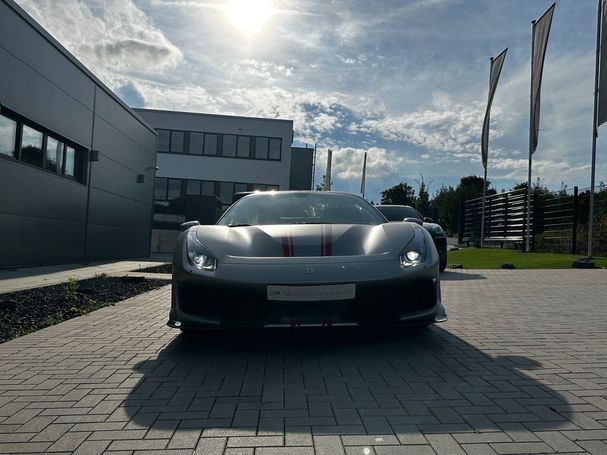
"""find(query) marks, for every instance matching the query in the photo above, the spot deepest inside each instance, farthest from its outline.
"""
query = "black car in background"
(394, 213)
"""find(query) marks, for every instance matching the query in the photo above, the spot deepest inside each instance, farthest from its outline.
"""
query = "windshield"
(398, 212)
(314, 207)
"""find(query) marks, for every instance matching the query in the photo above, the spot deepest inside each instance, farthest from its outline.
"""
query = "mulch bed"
(164, 268)
(29, 310)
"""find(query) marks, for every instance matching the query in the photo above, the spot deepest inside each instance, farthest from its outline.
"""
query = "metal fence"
(559, 221)
(505, 219)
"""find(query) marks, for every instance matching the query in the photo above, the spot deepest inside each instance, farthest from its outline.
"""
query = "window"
(70, 161)
(196, 143)
(36, 146)
(193, 187)
(31, 146)
(54, 155)
(164, 140)
(210, 144)
(174, 189)
(261, 148)
(160, 188)
(244, 145)
(226, 191)
(177, 141)
(275, 149)
(208, 188)
(8, 136)
(229, 145)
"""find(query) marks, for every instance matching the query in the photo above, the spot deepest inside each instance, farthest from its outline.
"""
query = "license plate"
(312, 293)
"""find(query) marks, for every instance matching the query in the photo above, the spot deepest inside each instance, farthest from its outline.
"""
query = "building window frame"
(80, 152)
(219, 145)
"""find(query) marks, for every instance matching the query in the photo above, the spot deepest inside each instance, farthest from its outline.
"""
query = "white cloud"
(347, 162)
(267, 71)
(178, 97)
(550, 172)
(445, 126)
(113, 35)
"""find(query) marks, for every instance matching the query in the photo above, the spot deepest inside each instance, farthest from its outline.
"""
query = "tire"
(443, 264)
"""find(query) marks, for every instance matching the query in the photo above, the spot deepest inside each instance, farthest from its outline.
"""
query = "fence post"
(575, 216)
(460, 228)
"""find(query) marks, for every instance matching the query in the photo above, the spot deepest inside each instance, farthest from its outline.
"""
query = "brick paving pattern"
(521, 367)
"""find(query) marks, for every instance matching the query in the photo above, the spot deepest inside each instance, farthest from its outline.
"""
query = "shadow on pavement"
(339, 382)
(450, 275)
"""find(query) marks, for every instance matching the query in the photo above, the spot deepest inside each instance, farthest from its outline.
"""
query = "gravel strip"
(29, 310)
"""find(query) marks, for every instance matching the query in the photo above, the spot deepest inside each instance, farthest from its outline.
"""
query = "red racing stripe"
(286, 251)
(329, 241)
(326, 241)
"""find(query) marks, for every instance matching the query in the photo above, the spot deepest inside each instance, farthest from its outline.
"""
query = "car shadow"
(372, 381)
(450, 275)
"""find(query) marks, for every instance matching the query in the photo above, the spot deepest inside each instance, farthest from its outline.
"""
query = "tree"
(422, 200)
(401, 194)
(471, 187)
(446, 202)
(448, 199)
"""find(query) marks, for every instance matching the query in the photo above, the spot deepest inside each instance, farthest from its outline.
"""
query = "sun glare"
(249, 16)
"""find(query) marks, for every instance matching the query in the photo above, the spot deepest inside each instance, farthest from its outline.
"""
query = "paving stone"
(69, 442)
(520, 447)
(24, 447)
(444, 444)
(478, 449)
(92, 448)
(255, 441)
(404, 450)
(328, 445)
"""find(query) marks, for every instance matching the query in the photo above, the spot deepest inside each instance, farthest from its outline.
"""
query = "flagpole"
(485, 164)
(528, 240)
(595, 132)
(363, 180)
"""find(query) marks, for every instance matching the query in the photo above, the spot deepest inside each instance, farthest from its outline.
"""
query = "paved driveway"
(521, 367)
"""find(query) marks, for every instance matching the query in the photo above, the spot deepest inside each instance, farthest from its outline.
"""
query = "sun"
(248, 16)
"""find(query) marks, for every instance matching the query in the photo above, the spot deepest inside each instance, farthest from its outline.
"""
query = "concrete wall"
(43, 217)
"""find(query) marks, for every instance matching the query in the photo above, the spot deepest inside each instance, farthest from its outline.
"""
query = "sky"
(405, 81)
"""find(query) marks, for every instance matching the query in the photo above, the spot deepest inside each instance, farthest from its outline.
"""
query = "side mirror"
(428, 220)
(413, 220)
(188, 224)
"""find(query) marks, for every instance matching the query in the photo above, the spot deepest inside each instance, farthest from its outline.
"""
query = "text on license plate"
(312, 293)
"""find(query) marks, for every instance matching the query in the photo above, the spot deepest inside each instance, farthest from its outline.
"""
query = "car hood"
(305, 240)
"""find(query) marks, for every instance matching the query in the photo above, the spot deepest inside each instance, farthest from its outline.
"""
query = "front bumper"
(201, 301)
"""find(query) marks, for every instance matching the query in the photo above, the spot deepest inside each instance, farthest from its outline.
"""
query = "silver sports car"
(304, 258)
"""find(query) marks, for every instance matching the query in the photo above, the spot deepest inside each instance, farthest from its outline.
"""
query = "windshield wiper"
(238, 224)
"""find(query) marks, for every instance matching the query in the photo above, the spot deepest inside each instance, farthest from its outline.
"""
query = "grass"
(492, 258)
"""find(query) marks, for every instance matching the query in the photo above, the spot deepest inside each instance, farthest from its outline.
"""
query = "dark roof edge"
(42, 31)
(137, 109)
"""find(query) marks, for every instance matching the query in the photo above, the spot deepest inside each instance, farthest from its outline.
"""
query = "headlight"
(416, 250)
(435, 230)
(198, 255)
